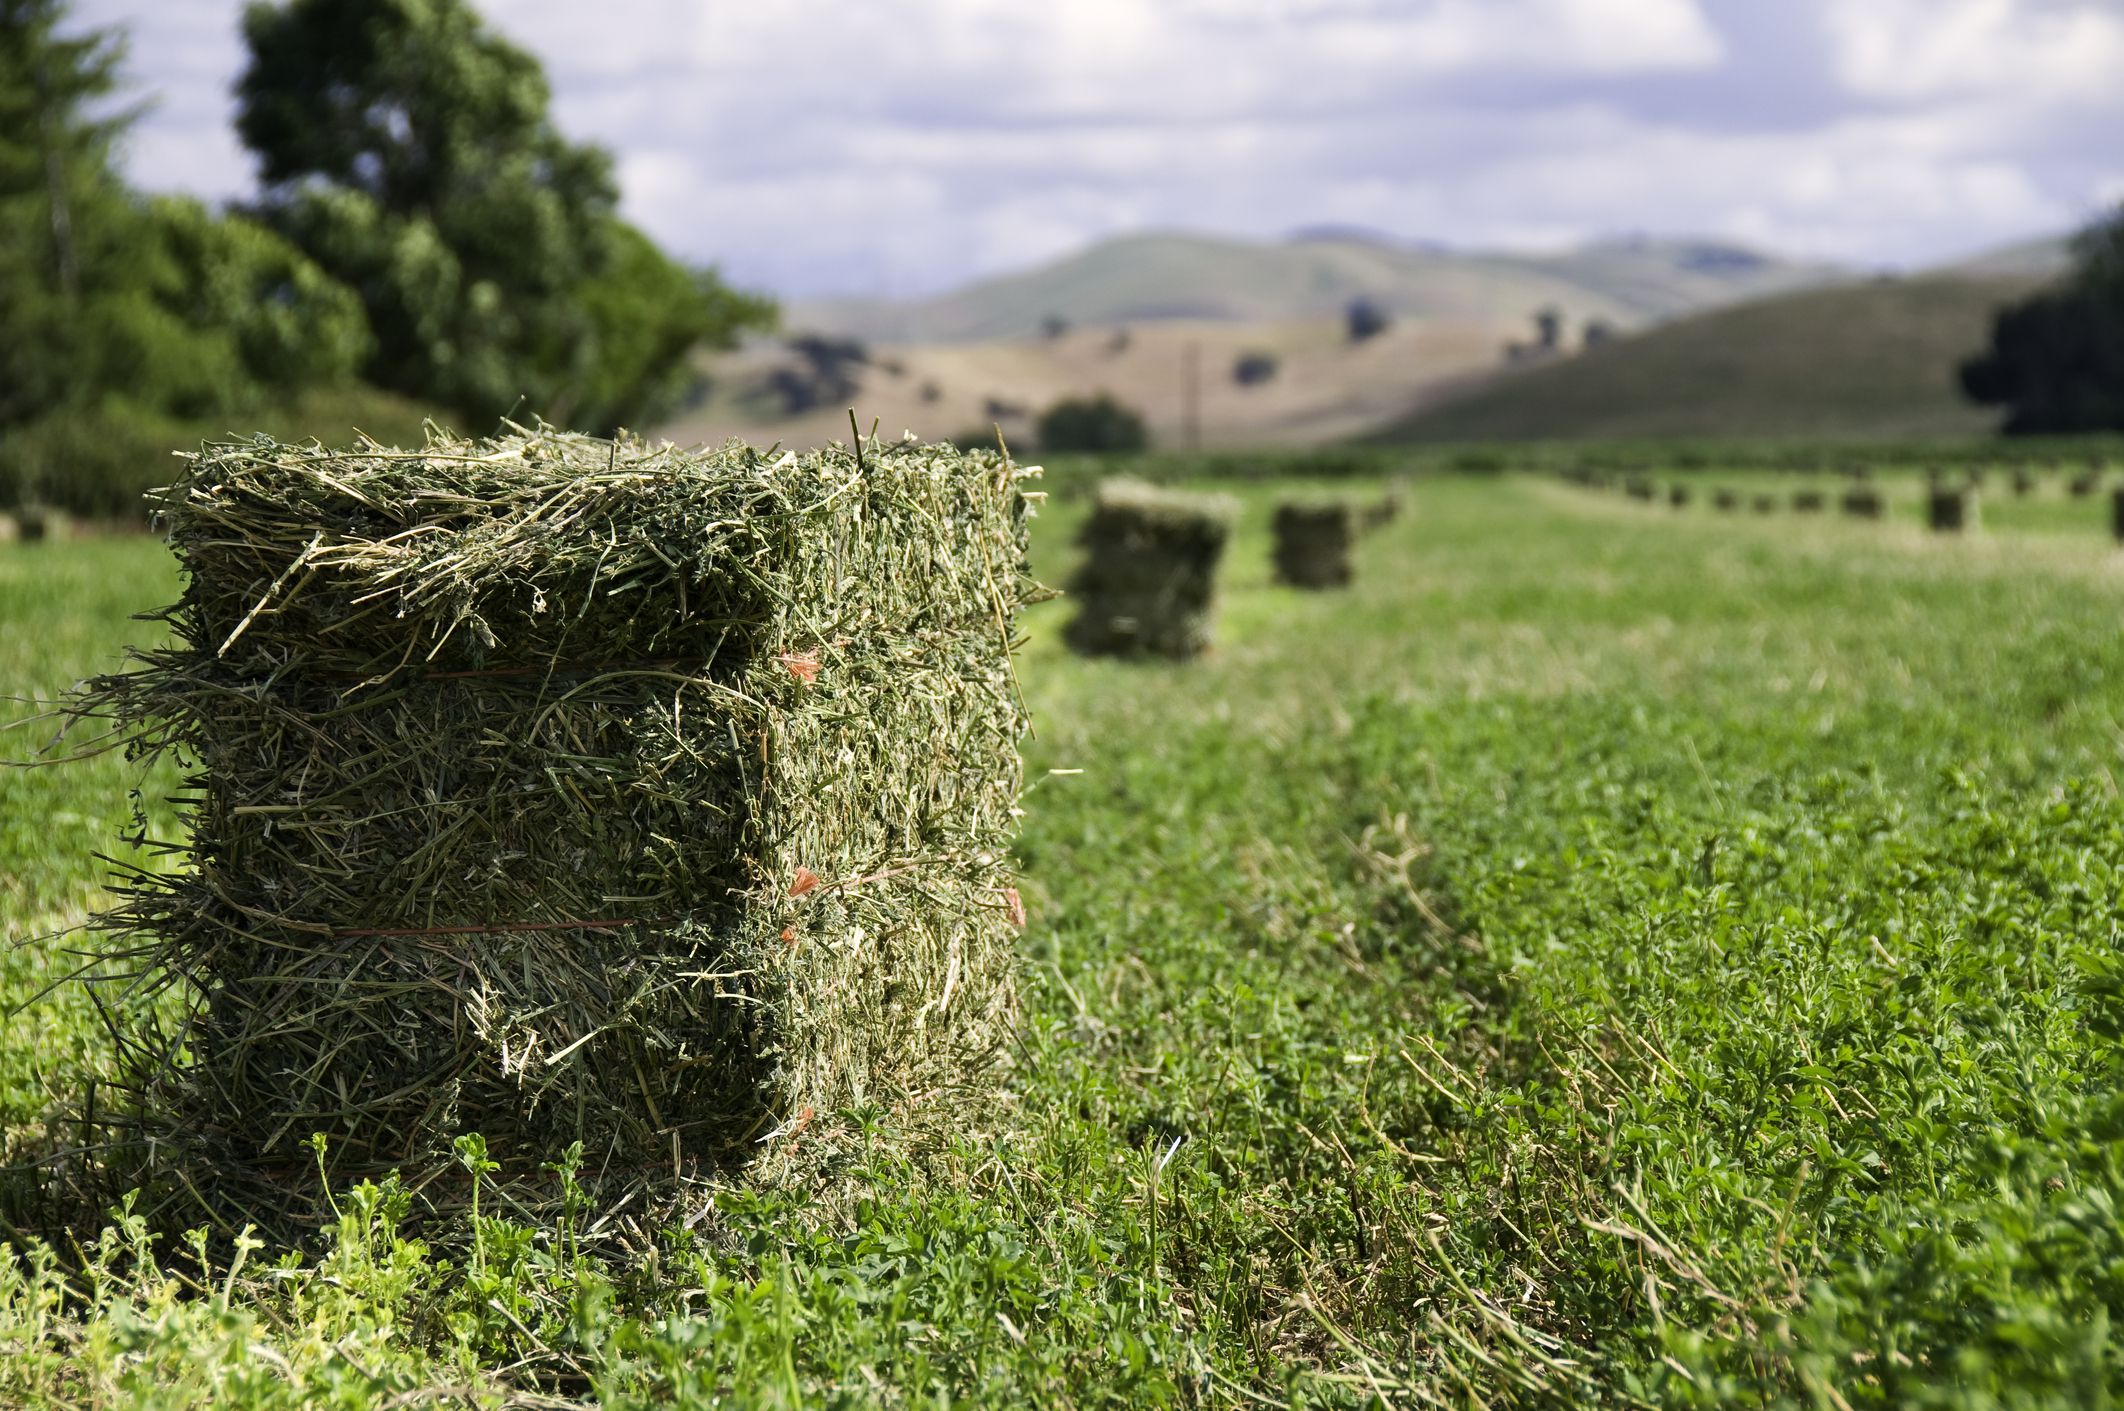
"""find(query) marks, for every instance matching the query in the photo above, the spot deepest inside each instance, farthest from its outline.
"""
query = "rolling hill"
(1147, 278)
(1876, 359)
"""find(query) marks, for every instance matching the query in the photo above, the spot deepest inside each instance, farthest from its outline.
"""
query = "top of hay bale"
(1163, 507)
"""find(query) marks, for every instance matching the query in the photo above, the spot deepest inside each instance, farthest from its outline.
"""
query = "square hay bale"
(1638, 487)
(1949, 509)
(1727, 500)
(1313, 544)
(1678, 496)
(1765, 504)
(561, 789)
(1385, 510)
(1149, 581)
(1808, 501)
(1862, 502)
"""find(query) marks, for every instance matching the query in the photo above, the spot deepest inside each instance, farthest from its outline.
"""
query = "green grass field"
(1611, 955)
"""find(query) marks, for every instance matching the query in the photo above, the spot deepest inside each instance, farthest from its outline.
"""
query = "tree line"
(421, 226)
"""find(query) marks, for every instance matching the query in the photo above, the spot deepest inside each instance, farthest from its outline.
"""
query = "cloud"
(814, 146)
(1915, 49)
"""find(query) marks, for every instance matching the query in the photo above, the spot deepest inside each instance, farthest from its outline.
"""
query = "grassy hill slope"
(1152, 277)
(1876, 359)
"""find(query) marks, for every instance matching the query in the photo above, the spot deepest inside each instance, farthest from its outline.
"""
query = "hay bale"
(1149, 580)
(561, 789)
(2116, 514)
(1313, 544)
(1726, 499)
(1678, 496)
(1765, 504)
(1951, 509)
(2084, 484)
(1808, 501)
(1639, 488)
(2023, 482)
(1383, 511)
(34, 524)
(1862, 502)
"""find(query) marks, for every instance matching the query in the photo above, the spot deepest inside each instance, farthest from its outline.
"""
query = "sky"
(899, 147)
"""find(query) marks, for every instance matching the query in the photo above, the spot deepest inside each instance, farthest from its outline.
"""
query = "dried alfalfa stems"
(1313, 543)
(1148, 586)
(563, 789)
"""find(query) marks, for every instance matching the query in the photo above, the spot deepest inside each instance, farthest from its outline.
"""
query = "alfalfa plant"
(568, 790)
(1149, 581)
(1313, 543)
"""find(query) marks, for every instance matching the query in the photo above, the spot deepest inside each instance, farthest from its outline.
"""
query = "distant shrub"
(1253, 368)
(1053, 326)
(1365, 319)
(1095, 424)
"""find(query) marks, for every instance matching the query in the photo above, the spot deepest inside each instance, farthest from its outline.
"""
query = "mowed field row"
(1609, 955)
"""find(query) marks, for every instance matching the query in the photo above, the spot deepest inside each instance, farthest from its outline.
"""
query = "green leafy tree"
(2056, 361)
(1096, 424)
(124, 315)
(407, 148)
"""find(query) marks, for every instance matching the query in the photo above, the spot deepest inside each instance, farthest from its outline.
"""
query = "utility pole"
(1191, 395)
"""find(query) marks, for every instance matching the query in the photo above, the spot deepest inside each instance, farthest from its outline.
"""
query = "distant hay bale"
(1313, 545)
(1379, 513)
(1149, 580)
(1862, 502)
(2023, 481)
(1951, 509)
(1808, 501)
(2084, 484)
(1765, 504)
(34, 524)
(561, 789)
(1726, 499)
(1637, 487)
(2116, 514)
(1678, 496)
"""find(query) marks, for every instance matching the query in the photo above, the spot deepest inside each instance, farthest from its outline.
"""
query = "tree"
(1096, 424)
(1365, 320)
(407, 148)
(2056, 361)
(156, 304)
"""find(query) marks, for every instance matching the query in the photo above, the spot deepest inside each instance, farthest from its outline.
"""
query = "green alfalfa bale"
(1638, 487)
(2116, 514)
(1862, 502)
(1727, 500)
(1808, 501)
(1381, 512)
(34, 524)
(1148, 584)
(2085, 483)
(1950, 509)
(1313, 543)
(1678, 496)
(565, 790)
(2023, 482)
(1765, 503)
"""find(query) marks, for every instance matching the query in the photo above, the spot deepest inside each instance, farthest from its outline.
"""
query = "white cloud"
(1914, 49)
(900, 145)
